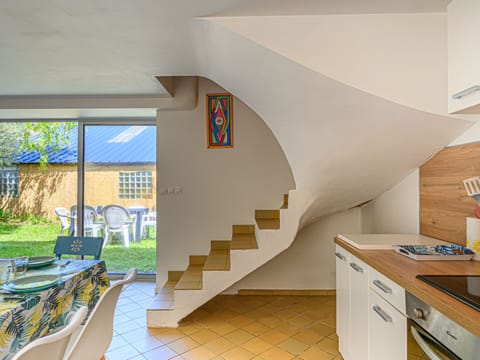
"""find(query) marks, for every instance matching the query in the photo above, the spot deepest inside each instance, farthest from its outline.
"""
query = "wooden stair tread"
(268, 224)
(192, 278)
(218, 260)
(244, 242)
(268, 219)
(243, 229)
(285, 202)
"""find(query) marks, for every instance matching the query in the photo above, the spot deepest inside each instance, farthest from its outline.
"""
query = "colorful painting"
(219, 121)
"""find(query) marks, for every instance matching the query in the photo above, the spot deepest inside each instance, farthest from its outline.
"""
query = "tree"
(44, 138)
(11, 136)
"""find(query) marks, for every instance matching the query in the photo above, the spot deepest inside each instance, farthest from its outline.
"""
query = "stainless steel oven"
(438, 336)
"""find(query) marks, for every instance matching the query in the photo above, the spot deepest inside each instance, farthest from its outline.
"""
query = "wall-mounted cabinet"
(464, 56)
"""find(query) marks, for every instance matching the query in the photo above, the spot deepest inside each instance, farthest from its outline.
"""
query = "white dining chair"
(93, 339)
(90, 223)
(149, 220)
(53, 346)
(64, 216)
(117, 220)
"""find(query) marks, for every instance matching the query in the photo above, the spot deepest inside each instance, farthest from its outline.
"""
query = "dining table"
(27, 315)
(138, 212)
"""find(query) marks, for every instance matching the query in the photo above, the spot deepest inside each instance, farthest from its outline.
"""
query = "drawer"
(387, 289)
(387, 330)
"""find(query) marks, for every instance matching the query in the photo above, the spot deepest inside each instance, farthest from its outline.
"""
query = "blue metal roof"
(105, 144)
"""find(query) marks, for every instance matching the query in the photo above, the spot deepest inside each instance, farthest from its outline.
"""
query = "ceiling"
(116, 47)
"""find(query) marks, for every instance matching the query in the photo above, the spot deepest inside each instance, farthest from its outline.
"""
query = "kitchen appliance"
(438, 336)
(465, 288)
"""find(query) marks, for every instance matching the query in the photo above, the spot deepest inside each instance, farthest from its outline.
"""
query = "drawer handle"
(382, 286)
(466, 92)
(382, 314)
(340, 256)
(356, 267)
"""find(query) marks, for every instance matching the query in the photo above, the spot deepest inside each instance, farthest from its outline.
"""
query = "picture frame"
(219, 121)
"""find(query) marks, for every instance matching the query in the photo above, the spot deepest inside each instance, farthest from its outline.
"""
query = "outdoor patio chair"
(78, 245)
(53, 346)
(93, 339)
(65, 219)
(149, 220)
(117, 220)
(90, 223)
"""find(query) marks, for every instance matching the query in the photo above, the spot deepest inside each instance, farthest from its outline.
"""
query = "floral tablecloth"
(21, 321)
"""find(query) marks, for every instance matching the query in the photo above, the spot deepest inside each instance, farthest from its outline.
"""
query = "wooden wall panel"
(444, 203)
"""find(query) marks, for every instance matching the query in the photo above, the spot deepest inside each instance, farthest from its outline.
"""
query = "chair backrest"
(115, 216)
(78, 245)
(53, 347)
(96, 335)
(62, 214)
(89, 214)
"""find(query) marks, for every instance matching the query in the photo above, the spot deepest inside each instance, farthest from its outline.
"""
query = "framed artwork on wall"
(219, 121)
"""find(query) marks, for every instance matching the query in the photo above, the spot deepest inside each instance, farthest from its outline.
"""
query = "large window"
(9, 182)
(135, 184)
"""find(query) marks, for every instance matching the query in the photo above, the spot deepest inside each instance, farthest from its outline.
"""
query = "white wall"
(400, 57)
(309, 263)
(469, 136)
(396, 211)
(221, 187)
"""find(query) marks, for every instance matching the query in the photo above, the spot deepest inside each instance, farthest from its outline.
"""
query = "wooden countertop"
(404, 270)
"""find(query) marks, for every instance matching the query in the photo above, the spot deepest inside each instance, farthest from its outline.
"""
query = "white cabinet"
(387, 330)
(343, 300)
(370, 325)
(358, 304)
(352, 302)
(389, 290)
(463, 56)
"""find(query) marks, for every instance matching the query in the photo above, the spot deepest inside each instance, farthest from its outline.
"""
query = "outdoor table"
(21, 321)
(138, 211)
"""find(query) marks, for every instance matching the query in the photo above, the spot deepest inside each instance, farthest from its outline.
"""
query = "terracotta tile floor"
(228, 327)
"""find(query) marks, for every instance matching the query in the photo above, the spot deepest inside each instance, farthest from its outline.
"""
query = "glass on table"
(19, 267)
(6, 268)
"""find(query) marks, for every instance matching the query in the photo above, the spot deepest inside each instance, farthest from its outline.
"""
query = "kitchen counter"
(403, 271)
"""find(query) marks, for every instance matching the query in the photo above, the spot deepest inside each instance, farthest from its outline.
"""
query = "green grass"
(25, 239)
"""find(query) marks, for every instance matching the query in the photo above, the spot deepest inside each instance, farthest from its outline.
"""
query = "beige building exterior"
(41, 191)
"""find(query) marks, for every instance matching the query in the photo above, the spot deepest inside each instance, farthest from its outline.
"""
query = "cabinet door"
(463, 55)
(343, 301)
(358, 306)
(387, 330)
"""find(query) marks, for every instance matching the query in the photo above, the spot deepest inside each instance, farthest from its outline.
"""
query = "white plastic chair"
(64, 217)
(52, 347)
(149, 220)
(94, 338)
(90, 224)
(117, 220)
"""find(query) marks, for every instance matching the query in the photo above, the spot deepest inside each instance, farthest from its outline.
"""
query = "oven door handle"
(422, 343)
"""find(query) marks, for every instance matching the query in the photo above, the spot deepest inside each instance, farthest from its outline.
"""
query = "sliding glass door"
(119, 193)
(51, 170)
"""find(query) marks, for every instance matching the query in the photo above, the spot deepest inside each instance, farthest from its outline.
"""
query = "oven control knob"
(419, 314)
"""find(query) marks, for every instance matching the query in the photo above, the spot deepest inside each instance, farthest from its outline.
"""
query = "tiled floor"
(230, 328)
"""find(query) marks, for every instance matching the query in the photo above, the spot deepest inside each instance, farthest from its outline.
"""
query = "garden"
(35, 236)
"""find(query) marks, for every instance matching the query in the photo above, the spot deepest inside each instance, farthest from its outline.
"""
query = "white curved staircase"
(229, 261)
